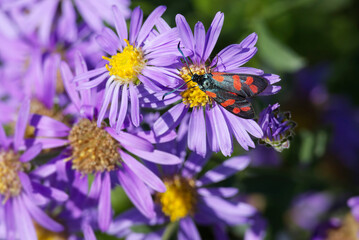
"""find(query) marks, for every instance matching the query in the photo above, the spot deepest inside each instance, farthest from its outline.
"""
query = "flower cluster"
(82, 86)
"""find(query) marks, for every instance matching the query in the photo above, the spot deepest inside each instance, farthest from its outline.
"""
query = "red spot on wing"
(249, 80)
(228, 102)
(236, 110)
(232, 93)
(245, 109)
(217, 73)
(237, 82)
(218, 78)
(211, 94)
(254, 88)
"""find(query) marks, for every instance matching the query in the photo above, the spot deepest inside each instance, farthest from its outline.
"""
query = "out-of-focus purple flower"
(21, 194)
(321, 231)
(60, 17)
(308, 208)
(101, 151)
(189, 199)
(277, 127)
(263, 156)
(210, 122)
(139, 55)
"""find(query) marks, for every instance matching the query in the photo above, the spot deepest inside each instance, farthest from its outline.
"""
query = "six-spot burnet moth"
(230, 90)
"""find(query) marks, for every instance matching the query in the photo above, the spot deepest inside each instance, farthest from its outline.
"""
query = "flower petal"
(149, 23)
(212, 34)
(218, 191)
(197, 132)
(135, 25)
(143, 173)
(170, 119)
(104, 207)
(123, 109)
(31, 153)
(185, 32)
(21, 124)
(120, 24)
(225, 170)
(129, 140)
(135, 106)
(188, 230)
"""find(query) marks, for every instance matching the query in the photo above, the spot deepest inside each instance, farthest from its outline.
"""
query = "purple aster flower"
(139, 55)
(101, 151)
(189, 199)
(321, 232)
(277, 127)
(60, 17)
(208, 120)
(21, 194)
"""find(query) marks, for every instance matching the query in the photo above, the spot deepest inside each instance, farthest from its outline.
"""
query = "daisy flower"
(21, 195)
(101, 151)
(210, 121)
(139, 55)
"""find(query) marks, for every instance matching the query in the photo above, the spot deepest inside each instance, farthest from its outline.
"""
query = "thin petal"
(225, 170)
(114, 105)
(213, 34)
(123, 109)
(108, 95)
(194, 164)
(135, 25)
(31, 153)
(104, 215)
(221, 131)
(40, 217)
(24, 224)
(143, 173)
(170, 119)
(185, 32)
(135, 106)
(197, 132)
(21, 124)
(188, 230)
(149, 23)
(90, 74)
(200, 37)
(225, 192)
(127, 139)
(156, 156)
(96, 186)
(120, 24)
(136, 191)
(45, 122)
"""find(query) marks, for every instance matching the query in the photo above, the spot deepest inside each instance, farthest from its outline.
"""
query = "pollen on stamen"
(193, 95)
(44, 234)
(93, 148)
(10, 165)
(180, 198)
(125, 66)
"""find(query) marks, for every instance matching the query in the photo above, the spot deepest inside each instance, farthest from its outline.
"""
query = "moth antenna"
(185, 59)
(164, 95)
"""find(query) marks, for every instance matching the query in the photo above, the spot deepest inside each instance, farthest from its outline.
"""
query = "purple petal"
(148, 83)
(200, 38)
(24, 224)
(194, 164)
(90, 17)
(185, 32)
(3, 138)
(93, 83)
(221, 132)
(149, 23)
(135, 106)
(225, 170)
(135, 25)
(108, 95)
(129, 140)
(257, 230)
(40, 216)
(252, 127)
(213, 34)
(188, 230)
(90, 74)
(45, 122)
(104, 215)
(31, 153)
(150, 136)
(136, 191)
(170, 119)
(114, 105)
(210, 130)
(96, 187)
(9, 220)
(143, 173)
(88, 231)
(156, 156)
(50, 192)
(120, 24)
(67, 76)
(197, 132)
(106, 44)
(123, 109)
(50, 75)
(44, 171)
(225, 192)
(47, 142)
(21, 124)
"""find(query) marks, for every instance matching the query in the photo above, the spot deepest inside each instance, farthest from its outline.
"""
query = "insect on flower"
(230, 90)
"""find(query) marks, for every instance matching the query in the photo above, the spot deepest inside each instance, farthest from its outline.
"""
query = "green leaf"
(170, 231)
(275, 54)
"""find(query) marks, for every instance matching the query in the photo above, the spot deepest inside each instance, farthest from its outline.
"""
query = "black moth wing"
(232, 102)
(245, 85)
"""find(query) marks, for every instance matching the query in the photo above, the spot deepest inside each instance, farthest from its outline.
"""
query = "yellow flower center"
(44, 234)
(180, 198)
(93, 148)
(10, 184)
(193, 96)
(126, 65)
